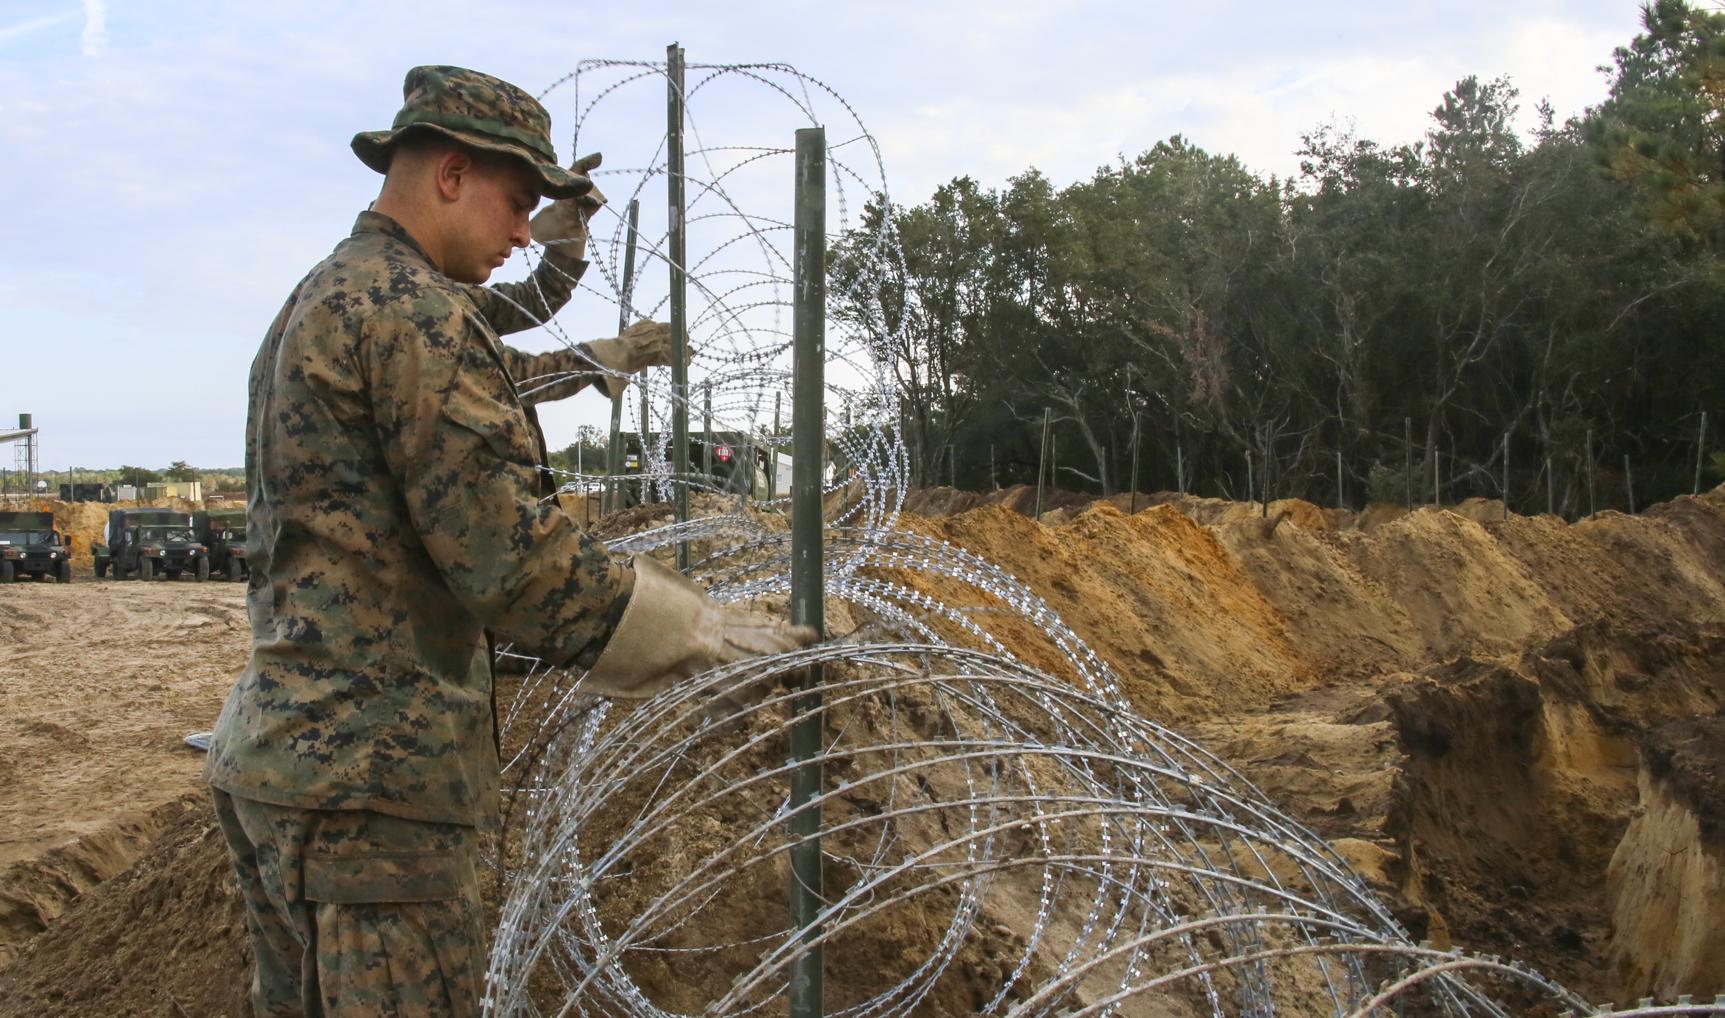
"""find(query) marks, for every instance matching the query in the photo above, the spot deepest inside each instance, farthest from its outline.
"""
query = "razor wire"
(1003, 833)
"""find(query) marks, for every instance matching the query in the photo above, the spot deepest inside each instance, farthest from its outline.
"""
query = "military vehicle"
(152, 543)
(732, 463)
(30, 546)
(223, 532)
(86, 492)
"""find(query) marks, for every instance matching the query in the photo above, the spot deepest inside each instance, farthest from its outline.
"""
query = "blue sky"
(173, 168)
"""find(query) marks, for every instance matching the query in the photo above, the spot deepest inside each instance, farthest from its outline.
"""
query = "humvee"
(149, 543)
(223, 532)
(29, 545)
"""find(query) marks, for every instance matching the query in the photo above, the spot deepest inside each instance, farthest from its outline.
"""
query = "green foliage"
(1390, 484)
(180, 470)
(587, 454)
(1662, 130)
(1402, 300)
(138, 476)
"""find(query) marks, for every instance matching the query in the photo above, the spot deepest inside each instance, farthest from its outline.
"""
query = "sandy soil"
(99, 682)
(1457, 700)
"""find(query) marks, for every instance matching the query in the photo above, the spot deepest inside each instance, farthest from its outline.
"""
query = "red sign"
(723, 452)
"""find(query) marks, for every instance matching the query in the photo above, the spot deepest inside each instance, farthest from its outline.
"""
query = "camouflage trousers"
(353, 913)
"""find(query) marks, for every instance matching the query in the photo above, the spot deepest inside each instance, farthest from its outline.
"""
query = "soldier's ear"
(453, 172)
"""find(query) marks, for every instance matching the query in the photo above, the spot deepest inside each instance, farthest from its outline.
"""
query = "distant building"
(191, 491)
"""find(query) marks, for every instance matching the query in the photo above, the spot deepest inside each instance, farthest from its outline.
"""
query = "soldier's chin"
(473, 274)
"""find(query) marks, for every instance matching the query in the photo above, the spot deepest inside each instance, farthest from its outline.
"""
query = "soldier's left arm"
(542, 377)
(516, 307)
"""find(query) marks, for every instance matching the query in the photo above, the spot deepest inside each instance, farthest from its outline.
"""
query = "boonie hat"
(478, 110)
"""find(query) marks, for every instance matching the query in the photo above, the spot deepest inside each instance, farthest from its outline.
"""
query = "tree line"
(1476, 312)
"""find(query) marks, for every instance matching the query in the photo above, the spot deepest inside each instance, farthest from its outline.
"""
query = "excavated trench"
(1510, 728)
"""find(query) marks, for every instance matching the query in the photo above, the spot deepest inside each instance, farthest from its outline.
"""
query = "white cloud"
(213, 166)
(1254, 106)
(95, 38)
(22, 28)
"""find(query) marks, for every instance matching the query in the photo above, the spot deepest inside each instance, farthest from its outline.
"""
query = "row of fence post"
(1262, 488)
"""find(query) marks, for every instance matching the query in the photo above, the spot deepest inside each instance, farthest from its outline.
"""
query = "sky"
(172, 169)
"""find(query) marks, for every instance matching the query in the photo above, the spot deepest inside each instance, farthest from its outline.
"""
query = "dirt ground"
(1464, 704)
(99, 683)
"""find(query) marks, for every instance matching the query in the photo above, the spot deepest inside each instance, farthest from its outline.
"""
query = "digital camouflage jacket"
(397, 516)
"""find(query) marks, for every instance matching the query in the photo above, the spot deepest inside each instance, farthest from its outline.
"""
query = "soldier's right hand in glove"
(672, 630)
(639, 347)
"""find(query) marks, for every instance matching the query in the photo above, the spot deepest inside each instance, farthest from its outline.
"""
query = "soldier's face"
(496, 199)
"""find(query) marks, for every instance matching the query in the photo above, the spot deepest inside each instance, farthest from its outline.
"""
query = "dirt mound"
(1343, 621)
(1698, 518)
(1022, 498)
(944, 501)
(1155, 595)
(165, 937)
(1460, 590)
(35, 892)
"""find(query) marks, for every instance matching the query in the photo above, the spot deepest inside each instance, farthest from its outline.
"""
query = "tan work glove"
(672, 630)
(561, 227)
(641, 346)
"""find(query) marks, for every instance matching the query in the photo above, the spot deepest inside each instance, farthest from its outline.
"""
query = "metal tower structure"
(27, 456)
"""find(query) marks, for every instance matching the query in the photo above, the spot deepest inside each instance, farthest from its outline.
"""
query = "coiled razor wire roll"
(998, 839)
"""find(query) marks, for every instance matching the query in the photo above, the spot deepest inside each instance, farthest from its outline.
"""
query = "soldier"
(397, 526)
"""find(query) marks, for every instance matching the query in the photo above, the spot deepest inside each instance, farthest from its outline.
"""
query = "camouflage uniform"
(396, 525)
(339, 905)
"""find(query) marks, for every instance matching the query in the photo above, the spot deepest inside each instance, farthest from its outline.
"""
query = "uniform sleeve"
(517, 307)
(458, 444)
(543, 377)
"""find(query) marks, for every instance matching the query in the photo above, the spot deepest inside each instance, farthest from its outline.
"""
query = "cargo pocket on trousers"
(398, 932)
(376, 878)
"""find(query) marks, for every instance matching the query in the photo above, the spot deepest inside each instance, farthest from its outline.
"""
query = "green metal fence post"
(1408, 460)
(773, 451)
(1592, 503)
(1506, 475)
(677, 255)
(1700, 450)
(808, 429)
(1041, 462)
(614, 451)
(1132, 485)
(646, 436)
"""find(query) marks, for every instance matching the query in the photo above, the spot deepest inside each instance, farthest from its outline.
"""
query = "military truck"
(150, 544)
(223, 532)
(30, 546)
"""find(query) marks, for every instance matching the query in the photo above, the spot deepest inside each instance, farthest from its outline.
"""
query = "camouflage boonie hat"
(478, 110)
